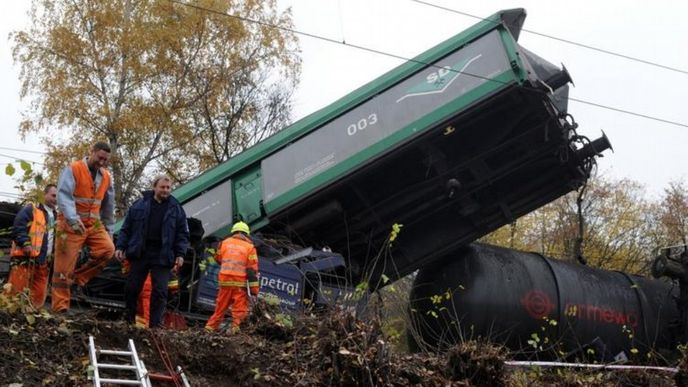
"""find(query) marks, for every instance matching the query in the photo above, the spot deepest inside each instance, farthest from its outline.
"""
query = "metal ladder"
(136, 365)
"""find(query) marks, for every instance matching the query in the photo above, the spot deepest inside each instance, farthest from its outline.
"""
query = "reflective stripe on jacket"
(37, 230)
(66, 186)
(88, 197)
(238, 263)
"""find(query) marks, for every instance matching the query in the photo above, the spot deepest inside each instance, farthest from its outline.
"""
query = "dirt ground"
(272, 349)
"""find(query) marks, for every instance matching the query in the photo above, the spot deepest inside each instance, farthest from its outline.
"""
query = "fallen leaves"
(328, 348)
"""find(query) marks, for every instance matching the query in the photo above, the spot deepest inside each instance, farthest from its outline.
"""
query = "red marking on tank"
(537, 304)
(601, 314)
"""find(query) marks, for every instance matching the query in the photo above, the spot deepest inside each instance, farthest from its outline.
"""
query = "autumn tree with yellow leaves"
(623, 227)
(174, 87)
(671, 215)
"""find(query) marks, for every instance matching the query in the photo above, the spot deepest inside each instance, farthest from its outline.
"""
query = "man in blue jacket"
(153, 238)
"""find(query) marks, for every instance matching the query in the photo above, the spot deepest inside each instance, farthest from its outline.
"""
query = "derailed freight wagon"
(546, 308)
(453, 144)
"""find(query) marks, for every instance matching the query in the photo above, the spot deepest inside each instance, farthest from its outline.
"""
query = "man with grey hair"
(153, 238)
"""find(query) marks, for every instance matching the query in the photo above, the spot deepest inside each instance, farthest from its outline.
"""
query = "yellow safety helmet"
(241, 227)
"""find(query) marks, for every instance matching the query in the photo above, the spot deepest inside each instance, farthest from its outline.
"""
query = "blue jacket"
(22, 224)
(175, 231)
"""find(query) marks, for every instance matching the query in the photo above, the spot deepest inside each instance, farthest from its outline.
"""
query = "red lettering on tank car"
(602, 315)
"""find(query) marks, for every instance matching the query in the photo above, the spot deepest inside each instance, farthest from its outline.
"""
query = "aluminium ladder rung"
(111, 352)
(123, 381)
(116, 366)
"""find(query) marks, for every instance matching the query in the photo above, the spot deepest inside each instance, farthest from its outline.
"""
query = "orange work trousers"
(229, 296)
(68, 245)
(143, 306)
(30, 276)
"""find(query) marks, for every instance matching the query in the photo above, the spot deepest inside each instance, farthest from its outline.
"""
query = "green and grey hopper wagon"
(462, 139)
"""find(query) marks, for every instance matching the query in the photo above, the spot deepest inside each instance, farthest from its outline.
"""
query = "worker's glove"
(125, 267)
(27, 250)
(203, 265)
(78, 227)
(120, 255)
(178, 262)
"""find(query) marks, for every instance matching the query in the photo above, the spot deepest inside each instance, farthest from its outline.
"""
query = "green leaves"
(360, 290)
(396, 229)
(9, 170)
(30, 318)
(25, 166)
(384, 278)
(29, 183)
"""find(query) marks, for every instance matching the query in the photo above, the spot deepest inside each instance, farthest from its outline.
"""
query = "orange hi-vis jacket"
(37, 231)
(86, 198)
(238, 263)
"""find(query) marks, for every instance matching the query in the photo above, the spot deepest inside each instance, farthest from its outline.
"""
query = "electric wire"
(571, 42)
(11, 196)
(4, 193)
(22, 150)
(331, 40)
(396, 56)
(19, 159)
(629, 112)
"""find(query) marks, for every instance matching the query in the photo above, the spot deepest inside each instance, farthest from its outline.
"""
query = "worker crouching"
(238, 262)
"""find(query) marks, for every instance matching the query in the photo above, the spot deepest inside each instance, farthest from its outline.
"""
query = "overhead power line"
(326, 39)
(22, 150)
(571, 42)
(375, 51)
(628, 112)
(19, 159)
(10, 194)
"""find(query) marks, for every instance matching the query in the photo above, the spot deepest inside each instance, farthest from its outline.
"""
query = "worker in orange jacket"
(238, 262)
(33, 235)
(85, 197)
(142, 319)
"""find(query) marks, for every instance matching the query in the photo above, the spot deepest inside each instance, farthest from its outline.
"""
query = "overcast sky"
(650, 152)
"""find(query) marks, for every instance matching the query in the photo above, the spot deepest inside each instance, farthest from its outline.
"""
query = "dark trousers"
(138, 271)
